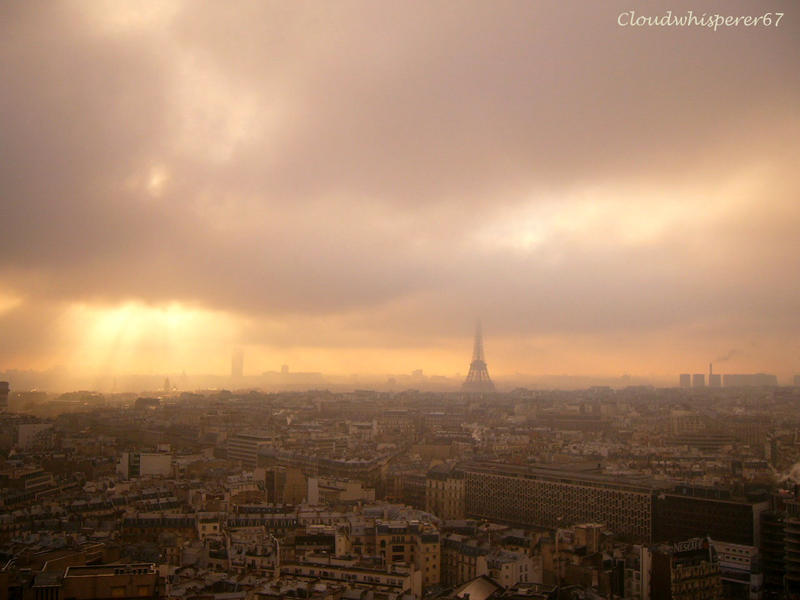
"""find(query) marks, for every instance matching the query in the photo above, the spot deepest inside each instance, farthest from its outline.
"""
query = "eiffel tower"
(478, 379)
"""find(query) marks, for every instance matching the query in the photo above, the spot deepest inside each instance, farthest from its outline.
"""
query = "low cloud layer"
(357, 178)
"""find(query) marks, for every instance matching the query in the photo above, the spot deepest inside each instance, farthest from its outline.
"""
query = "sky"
(346, 186)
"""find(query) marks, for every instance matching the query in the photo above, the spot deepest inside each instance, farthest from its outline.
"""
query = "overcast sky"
(345, 186)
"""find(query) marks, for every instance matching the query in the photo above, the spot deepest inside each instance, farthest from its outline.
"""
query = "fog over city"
(399, 300)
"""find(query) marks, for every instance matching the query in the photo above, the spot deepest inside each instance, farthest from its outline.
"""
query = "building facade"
(686, 570)
(552, 498)
(444, 492)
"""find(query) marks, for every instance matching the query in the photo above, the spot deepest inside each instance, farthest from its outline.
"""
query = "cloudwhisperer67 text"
(630, 18)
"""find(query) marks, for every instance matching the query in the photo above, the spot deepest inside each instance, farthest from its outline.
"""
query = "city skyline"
(344, 188)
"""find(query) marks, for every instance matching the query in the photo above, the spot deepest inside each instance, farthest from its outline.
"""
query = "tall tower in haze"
(237, 364)
(4, 389)
(478, 379)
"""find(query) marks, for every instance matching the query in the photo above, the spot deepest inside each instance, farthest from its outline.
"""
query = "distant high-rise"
(749, 380)
(237, 363)
(4, 396)
(478, 379)
(685, 380)
(699, 380)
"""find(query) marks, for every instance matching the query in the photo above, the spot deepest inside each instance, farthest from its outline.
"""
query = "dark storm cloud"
(347, 160)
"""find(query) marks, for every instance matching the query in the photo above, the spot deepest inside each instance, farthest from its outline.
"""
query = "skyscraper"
(3, 396)
(237, 363)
